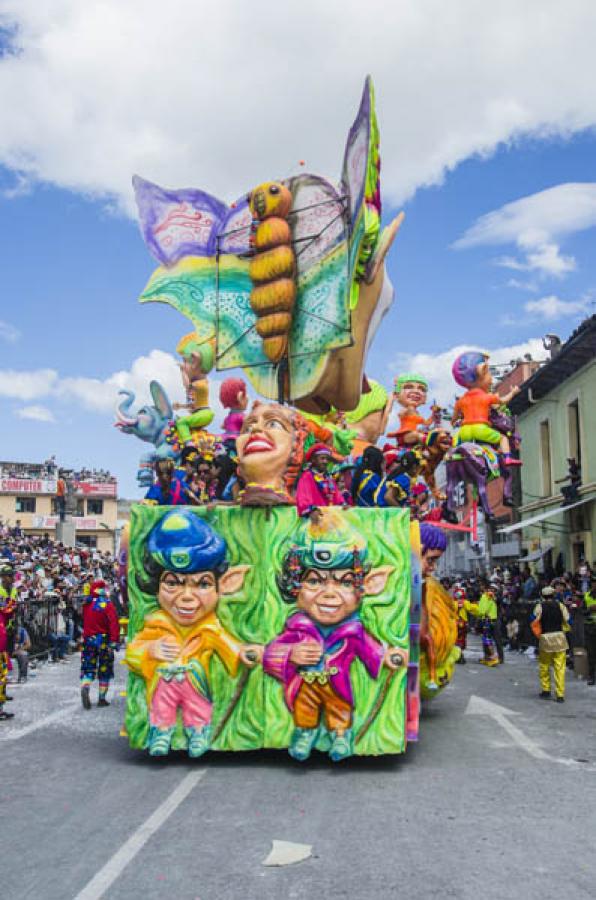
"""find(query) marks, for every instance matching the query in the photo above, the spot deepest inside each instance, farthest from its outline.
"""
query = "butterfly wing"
(361, 184)
(180, 223)
(321, 318)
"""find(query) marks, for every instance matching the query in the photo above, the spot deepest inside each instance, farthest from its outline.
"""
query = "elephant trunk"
(123, 409)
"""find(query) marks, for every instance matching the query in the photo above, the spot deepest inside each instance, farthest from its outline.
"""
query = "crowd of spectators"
(51, 581)
(516, 592)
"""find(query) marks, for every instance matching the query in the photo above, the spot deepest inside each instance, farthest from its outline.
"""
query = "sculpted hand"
(395, 658)
(164, 649)
(251, 654)
(307, 653)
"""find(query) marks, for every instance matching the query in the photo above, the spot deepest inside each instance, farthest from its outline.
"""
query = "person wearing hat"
(550, 622)
(186, 571)
(326, 574)
(101, 633)
(317, 488)
(8, 604)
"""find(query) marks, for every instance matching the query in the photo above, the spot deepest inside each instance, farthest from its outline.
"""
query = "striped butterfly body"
(272, 267)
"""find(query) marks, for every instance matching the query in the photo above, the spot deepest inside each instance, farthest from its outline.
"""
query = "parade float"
(257, 623)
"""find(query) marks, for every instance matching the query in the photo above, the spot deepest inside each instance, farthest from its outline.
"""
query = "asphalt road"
(482, 807)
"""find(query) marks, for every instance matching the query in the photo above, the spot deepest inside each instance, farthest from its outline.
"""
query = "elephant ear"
(161, 400)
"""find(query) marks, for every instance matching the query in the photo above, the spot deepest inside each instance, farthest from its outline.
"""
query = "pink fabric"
(232, 424)
(169, 695)
(308, 494)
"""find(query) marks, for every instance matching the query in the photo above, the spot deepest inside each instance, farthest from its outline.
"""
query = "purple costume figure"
(233, 396)
(326, 575)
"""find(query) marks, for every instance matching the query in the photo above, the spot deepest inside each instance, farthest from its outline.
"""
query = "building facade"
(556, 412)
(28, 497)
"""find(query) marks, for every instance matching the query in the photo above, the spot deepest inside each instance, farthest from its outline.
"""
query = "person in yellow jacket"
(551, 621)
(185, 563)
(590, 629)
(487, 614)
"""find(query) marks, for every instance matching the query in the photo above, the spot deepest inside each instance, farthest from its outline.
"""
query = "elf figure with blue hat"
(326, 575)
(186, 568)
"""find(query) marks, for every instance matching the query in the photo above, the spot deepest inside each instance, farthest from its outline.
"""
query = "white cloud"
(225, 95)
(100, 395)
(36, 413)
(9, 333)
(27, 385)
(437, 367)
(536, 224)
(551, 307)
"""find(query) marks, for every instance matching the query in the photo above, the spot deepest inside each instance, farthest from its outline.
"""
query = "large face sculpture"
(265, 446)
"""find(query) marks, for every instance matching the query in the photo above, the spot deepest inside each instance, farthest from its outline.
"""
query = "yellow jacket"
(198, 643)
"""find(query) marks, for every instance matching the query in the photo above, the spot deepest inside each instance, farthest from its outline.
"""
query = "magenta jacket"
(309, 495)
(346, 641)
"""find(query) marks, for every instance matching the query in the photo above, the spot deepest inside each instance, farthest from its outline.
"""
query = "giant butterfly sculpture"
(289, 283)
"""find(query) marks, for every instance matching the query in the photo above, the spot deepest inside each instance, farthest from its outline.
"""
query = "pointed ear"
(376, 580)
(231, 581)
(161, 400)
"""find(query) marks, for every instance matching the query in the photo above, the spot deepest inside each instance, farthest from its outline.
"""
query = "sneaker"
(199, 740)
(560, 699)
(544, 694)
(341, 747)
(5, 715)
(591, 681)
(103, 702)
(303, 740)
(159, 741)
(8, 698)
(85, 698)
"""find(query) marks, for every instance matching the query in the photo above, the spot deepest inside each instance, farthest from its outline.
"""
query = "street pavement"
(489, 803)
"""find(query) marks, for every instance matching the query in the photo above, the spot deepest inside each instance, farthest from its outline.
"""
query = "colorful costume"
(324, 689)
(316, 489)
(8, 604)
(551, 618)
(201, 415)
(101, 633)
(183, 684)
(367, 489)
(177, 495)
(474, 408)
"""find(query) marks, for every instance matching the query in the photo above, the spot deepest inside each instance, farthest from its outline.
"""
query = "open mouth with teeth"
(188, 612)
(329, 610)
(258, 443)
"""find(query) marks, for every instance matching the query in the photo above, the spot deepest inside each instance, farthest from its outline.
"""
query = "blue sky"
(73, 260)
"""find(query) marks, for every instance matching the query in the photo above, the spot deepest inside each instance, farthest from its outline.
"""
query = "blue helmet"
(182, 542)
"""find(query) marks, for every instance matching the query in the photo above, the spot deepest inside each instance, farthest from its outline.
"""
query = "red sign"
(27, 486)
(96, 488)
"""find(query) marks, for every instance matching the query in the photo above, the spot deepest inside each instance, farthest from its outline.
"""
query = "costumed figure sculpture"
(483, 451)
(233, 396)
(153, 424)
(327, 575)
(197, 361)
(438, 627)
(411, 391)
(187, 572)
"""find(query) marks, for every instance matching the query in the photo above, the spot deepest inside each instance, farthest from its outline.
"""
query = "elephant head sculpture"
(149, 423)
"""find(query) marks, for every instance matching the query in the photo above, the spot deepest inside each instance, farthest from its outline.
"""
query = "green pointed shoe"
(199, 740)
(341, 747)
(159, 741)
(303, 740)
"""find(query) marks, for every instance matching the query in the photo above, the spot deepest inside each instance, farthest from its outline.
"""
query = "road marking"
(479, 706)
(114, 867)
(39, 723)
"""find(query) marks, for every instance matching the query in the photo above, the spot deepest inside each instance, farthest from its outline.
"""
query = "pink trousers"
(169, 695)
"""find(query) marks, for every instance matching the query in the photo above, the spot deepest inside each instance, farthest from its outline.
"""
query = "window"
(25, 504)
(95, 507)
(545, 459)
(87, 540)
(80, 508)
(575, 442)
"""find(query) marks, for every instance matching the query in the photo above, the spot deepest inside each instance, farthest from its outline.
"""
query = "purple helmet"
(465, 365)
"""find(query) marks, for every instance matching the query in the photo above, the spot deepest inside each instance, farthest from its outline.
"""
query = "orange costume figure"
(411, 392)
(472, 411)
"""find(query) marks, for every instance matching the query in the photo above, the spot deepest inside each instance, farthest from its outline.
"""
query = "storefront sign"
(27, 486)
